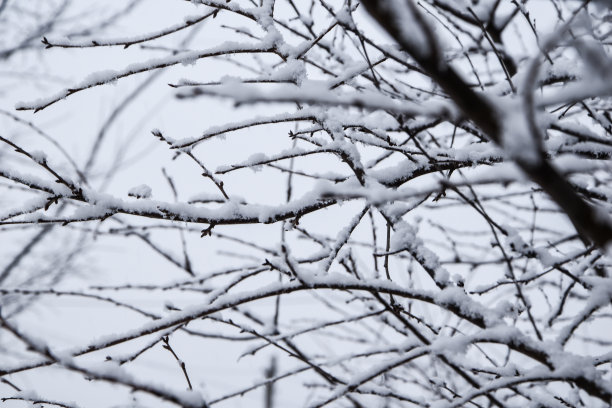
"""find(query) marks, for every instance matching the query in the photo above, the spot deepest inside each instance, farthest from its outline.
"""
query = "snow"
(400, 152)
(140, 191)
(109, 76)
(517, 139)
(38, 156)
(312, 92)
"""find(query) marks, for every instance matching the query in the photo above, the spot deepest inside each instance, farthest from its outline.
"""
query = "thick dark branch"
(592, 224)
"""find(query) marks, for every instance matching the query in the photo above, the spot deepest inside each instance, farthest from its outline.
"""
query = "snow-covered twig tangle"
(410, 204)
